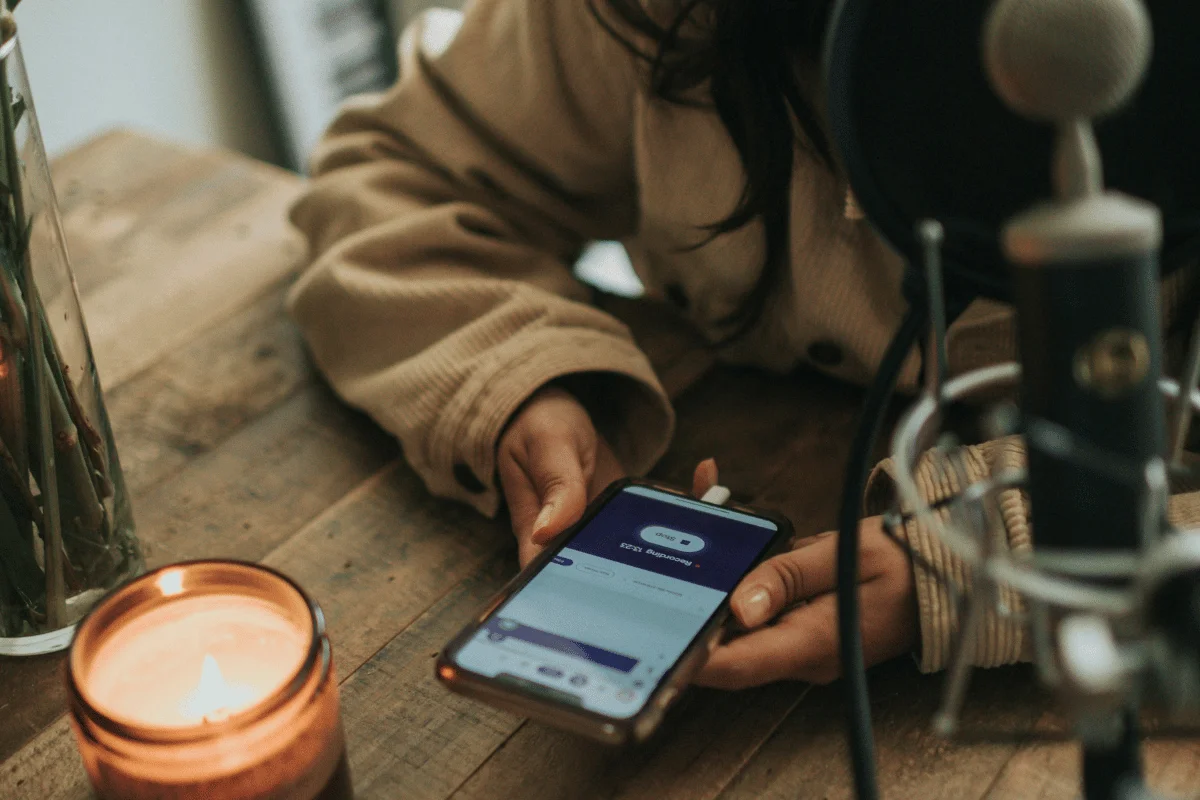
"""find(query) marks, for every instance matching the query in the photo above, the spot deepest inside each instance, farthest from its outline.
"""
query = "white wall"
(181, 69)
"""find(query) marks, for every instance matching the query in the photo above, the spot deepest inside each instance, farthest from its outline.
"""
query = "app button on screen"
(673, 539)
(592, 569)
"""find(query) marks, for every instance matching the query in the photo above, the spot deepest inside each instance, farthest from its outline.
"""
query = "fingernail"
(755, 608)
(543, 519)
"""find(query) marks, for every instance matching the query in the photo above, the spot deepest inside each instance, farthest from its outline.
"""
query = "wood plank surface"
(185, 405)
(164, 418)
(806, 757)
(1036, 770)
(749, 422)
(232, 447)
(167, 240)
(375, 560)
(193, 399)
(240, 501)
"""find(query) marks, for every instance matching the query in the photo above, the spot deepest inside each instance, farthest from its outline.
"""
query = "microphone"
(1084, 270)
(979, 109)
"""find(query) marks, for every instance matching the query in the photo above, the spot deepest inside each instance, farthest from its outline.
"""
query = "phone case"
(535, 702)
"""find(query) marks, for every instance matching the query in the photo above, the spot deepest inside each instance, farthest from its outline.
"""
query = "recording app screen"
(600, 625)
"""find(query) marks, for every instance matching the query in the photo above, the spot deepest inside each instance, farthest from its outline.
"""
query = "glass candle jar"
(208, 679)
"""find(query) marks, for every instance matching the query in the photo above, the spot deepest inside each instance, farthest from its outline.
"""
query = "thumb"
(785, 580)
(705, 477)
(561, 484)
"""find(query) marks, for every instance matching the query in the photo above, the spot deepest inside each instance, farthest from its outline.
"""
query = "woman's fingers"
(705, 477)
(523, 506)
(802, 645)
(546, 461)
(547, 489)
(523, 502)
(560, 478)
(785, 580)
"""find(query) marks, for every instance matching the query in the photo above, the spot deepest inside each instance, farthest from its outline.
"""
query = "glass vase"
(66, 528)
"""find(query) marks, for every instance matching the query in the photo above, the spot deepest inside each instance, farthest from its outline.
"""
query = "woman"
(445, 215)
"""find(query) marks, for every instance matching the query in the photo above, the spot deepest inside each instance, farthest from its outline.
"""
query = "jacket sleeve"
(985, 335)
(442, 221)
(1001, 640)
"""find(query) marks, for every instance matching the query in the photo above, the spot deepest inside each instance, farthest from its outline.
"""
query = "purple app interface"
(600, 625)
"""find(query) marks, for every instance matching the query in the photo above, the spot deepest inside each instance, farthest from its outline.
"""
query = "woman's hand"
(552, 463)
(786, 641)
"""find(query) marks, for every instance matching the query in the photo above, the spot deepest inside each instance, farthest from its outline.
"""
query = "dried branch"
(56, 599)
(14, 309)
(22, 574)
(93, 443)
(14, 485)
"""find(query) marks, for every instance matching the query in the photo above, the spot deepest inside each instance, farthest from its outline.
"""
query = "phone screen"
(602, 624)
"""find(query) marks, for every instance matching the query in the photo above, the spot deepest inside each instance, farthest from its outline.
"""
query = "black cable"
(893, 521)
(875, 404)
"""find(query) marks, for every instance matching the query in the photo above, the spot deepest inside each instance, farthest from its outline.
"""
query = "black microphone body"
(1090, 344)
(1086, 276)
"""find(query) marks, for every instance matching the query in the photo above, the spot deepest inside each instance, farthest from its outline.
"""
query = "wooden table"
(232, 447)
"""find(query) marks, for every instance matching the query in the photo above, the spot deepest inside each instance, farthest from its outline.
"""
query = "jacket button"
(468, 480)
(826, 354)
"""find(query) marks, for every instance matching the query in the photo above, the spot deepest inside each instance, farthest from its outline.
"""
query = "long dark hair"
(740, 57)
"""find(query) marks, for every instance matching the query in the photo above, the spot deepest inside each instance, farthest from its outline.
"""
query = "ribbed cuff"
(641, 419)
(1000, 640)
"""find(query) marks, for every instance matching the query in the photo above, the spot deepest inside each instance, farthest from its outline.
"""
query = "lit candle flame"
(214, 698)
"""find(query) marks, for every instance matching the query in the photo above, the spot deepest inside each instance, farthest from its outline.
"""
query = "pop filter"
(921, 133)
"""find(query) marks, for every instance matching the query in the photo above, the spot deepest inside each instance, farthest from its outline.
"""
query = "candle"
(208, 679)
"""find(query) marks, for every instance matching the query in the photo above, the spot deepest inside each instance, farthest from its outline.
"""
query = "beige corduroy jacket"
(446, 213)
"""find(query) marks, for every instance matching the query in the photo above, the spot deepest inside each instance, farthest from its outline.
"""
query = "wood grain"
(188, 402)
(177, 411)
(375, 561)
(756, 426)
(194, 398)
(31, 697)
(184, 406)
(168, 240)
(232, 449)
(782, 443)
(407, 736)
(701, 749)
(240, 501)
(48, 767)
(275, 475)
(752, 423)
(1041, 771)
(806, 757)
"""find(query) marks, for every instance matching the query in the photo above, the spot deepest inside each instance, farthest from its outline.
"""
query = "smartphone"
(604, 629)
